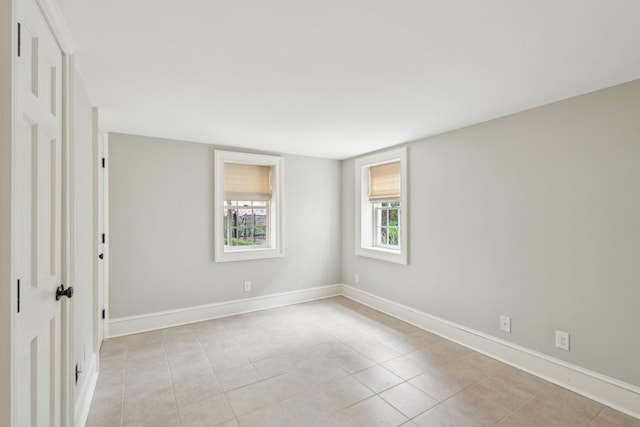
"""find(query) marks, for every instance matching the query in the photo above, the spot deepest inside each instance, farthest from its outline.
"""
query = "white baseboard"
(608, 391)
(84, 395)
(165, 319)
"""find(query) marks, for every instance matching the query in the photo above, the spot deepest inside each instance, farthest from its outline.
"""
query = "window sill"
(248, 254)
(382, 254)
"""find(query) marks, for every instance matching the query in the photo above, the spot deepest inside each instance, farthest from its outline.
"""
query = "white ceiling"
(337, 78)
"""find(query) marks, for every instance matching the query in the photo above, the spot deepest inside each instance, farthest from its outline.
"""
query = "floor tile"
(441, 384)
(99, 417)
(444, 416)
(405, 367)
(505, 392)
(611, 418)
(205, 413)
(544, 410)
(514, 420)
(187, 369)
(251, 397)
(483, 363)
(408, 399)
(405, 344)
(275, 366)
(378, 378)
(141, 407)
(375, 412)
(195, 389)
(346, 391)
(353, 361)
(321, 371)
(225, 359)
(145, 339)
(287, 385)
(311, 405)
(113, 346)
(150, 383)
(476, 407)
(166, 419)
(376, 351)
(275, 415)
(237, 377)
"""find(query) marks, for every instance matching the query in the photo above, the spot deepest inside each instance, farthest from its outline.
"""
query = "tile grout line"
(124, 382)
(596, 416)
(173, 392)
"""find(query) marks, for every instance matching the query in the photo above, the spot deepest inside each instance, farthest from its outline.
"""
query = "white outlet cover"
(562, 340)
(247, 286)
(357, 278)
(505, 323)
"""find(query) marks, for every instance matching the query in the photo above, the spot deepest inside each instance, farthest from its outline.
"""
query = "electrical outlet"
(247, 285)
(356, 279)
(562, 340)
(505, 323)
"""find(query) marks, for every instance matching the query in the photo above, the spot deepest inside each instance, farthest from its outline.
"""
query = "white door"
(37, 237)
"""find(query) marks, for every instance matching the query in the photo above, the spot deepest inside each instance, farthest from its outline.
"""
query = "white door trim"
(52, 14)
(7, 305)
(105, 225)
(98, 182)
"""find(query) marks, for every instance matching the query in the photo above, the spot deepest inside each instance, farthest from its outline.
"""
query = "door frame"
(100, 226)
(7, 305)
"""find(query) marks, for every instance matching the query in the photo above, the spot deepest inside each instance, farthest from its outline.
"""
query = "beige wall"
(161, 229)
(536, 216)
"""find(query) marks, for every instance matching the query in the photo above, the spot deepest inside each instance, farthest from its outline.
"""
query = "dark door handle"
(62, 292)
(101, 256)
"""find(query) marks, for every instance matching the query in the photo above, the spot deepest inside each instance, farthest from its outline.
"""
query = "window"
(248, 206)
(381, 206)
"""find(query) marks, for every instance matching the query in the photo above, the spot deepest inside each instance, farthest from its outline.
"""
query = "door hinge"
(18, 295)
(104, 238)
(104, 313)
(19, 39)
(78, 372)
(104, 163)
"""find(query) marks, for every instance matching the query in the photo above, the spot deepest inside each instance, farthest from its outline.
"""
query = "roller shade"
(247, 182)
(384, 182)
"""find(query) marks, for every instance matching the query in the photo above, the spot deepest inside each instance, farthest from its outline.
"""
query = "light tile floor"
(332, 362)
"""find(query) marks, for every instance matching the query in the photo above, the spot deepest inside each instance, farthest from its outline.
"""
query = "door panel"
(37, 220)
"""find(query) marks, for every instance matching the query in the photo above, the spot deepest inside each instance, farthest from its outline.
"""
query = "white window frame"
(365, 227)
(276, 207)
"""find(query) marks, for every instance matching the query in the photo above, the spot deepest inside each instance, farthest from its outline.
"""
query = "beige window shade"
(247, 182)
(384, 182)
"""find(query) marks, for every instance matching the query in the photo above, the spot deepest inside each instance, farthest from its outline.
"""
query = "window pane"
(393, 217)
(393, 236)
